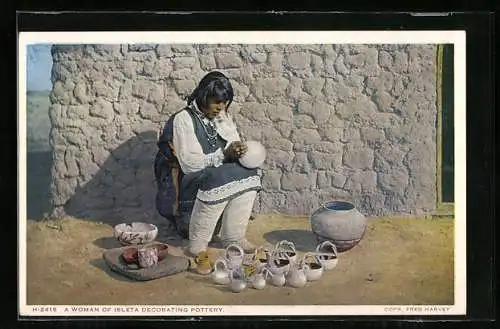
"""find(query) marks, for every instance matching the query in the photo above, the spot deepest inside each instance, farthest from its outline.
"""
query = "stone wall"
(353, 122)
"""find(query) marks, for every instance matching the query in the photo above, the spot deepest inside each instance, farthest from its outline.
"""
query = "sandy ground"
(400, 261)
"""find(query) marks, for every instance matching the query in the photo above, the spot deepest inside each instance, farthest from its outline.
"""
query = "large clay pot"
(340, 223)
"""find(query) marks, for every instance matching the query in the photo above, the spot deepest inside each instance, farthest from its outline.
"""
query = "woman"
(199, 151)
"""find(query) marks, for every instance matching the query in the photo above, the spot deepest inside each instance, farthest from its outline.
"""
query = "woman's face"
(214, 108)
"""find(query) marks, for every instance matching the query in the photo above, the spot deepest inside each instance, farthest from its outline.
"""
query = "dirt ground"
(399, 261)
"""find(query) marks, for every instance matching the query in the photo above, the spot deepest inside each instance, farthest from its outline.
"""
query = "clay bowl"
(162, 250)
(130, 254)
(135, 233)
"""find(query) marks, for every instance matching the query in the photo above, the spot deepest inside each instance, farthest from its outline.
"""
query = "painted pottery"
(147, 256)
(278, 263)
(261, 258)
(287, 248)
(314, 269)
(238, 282)
(327, 255)
(234, 256)
(130, 255)
(135, 233)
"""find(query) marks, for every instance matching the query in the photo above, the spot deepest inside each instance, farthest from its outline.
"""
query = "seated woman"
(199, 151)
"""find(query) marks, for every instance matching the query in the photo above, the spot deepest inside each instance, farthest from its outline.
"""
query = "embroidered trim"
(229, 189)
(258, 188)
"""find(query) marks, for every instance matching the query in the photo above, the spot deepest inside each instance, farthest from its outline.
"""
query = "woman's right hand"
(235, 150)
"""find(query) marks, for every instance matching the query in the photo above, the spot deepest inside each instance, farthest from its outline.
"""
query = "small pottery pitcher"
(261, 258)
(288, 248)
(234, 256)
(238, 282)
(221, 273)
(314, 269)
(249, 268)
(277, 279)
(279, 263)
(147, 257)
(258, 281)
(296, 277)
(327, 255)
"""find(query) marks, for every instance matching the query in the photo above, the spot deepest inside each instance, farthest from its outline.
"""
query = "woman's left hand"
(235, 150)
(241, 149)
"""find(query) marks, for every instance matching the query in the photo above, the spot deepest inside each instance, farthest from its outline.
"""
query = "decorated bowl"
(135, 233)
(130, 254)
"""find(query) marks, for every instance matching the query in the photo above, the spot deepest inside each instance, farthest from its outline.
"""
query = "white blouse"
(187, 148)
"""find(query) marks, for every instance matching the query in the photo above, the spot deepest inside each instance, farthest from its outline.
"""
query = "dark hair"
(214, 86)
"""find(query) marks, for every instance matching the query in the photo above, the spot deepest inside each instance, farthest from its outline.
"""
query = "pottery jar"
(258, 281)
(279, 264)
(238, 282)
(221, 273)
(287, 248)
(278, 279)
(314, 269)
(326, 254)
(260, 257)
(234, 256)
(339, 222)
(296, 277)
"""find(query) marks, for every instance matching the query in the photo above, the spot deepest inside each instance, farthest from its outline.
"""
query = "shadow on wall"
(38, 177)
(123, 189)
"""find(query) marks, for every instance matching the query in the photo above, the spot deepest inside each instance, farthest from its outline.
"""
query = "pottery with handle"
(277, 279)
(287, 248)
(327, 255)
(261, 257)
(238, 282)
(296, 277)
(258, 281)
(221, 273)
(234, 256)
(314, 270)
(278, 263)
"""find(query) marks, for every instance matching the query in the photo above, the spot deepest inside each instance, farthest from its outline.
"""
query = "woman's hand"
(235, 150)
